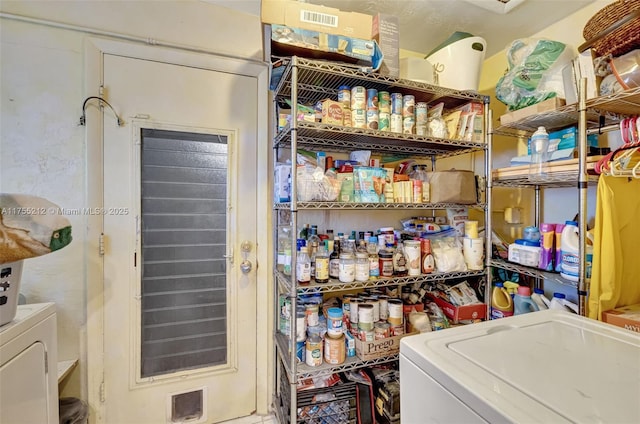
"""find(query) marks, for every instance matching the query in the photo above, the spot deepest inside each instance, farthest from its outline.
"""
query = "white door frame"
(95, 48)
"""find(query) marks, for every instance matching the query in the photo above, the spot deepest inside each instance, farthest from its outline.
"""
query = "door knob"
(245, 265)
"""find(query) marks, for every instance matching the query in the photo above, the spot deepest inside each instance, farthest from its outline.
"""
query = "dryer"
(28, 366)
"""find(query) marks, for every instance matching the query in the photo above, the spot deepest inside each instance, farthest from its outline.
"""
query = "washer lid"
(545, 366)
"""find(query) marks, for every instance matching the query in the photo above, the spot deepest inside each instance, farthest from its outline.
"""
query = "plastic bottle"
(560, 302)
(501, 302)
(322, 265)
(558, 259)
(399, 260)
(546, 243)
(362, 266)
(570, 244)
(540, 300)
(334, 259)
(374, 260)
(303, 267)
(522, 302)
(539, 152)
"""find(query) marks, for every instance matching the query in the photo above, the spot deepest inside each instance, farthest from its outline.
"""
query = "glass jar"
(386, 263)
(347, 272)
(362, 267)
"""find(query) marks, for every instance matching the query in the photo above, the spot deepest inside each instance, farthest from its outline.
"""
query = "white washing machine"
(549, 367)
(29, 366)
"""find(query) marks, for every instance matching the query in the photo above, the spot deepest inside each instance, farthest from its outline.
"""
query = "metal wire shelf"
(552, 180)
(305, 371)
(317, 79)
(317, 136)
(607, 108)
(335, 285)
(357, 206)
(532, 272)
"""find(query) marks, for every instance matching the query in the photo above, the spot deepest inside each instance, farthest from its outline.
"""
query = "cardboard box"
(460, 313)
(323, 19)
(379, 348)
(290, 41)
(626, 317)
(544, 106)
(386, 32)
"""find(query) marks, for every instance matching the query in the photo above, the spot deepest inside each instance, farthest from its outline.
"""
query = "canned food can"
(397, 330)
(346, 304)
(335, 350)
(421, 118)
(346, 117)
(366, 335)
(344, 95)
(358, 98)
(412, 251)
(384, 101)
(353, 310)
(376, 307)
(365, 317)
(384, 306)
(301, 323)
(312, 312)
(372, 98)
(396, 103)
(408, 105)
(372, 119)
(358, 118)
(395, 123)
(395, 312)
(313, 354)
(383, 121)
(408, 125)
(382, 330)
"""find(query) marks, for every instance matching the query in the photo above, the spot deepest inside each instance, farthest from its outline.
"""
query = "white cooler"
(548, 367)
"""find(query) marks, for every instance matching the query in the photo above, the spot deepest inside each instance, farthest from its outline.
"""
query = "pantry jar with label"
(362, 267)
(348, 267)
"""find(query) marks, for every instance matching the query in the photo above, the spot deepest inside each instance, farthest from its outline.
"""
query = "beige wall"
(42, 148)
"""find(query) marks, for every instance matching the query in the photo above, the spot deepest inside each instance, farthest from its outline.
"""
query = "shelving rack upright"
(592, 116)
(308, 81)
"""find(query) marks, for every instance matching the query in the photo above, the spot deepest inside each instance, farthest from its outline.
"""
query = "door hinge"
(101, 391)
(46, 363)
(101, 244)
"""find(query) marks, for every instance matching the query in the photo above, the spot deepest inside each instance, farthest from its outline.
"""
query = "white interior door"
(180, 199)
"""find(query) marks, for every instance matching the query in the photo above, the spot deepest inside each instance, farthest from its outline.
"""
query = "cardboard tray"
(379, 348)
(460, 313)
(626, 317)
(544, 106)
(560, 166)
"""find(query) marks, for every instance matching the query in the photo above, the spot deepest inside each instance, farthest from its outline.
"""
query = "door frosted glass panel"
(183, 197)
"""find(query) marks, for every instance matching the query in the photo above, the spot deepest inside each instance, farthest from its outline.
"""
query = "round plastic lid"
(538, 291)
(344, 87)
(499, 284)
(559, 295)
(574, 223)
(524, 242)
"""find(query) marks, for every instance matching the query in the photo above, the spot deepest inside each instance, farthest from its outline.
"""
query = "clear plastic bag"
(314, 185)
(535, 72)
(447, 252)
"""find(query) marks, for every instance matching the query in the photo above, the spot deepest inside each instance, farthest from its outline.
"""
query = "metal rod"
(294, 231)
(583, 178)
(488, 167)
(537, 209)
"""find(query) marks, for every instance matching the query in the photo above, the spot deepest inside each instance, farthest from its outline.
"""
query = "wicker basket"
(614, 30)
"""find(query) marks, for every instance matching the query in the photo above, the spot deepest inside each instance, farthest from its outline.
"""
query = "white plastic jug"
(458, 64)
(569, 244)
(540, 299)
(560, 302)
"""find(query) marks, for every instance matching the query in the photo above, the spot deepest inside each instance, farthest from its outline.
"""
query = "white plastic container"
(458, 64)
(524, 255)
(560, 302)
(10, 274)
(540, 299)
(570, 243)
